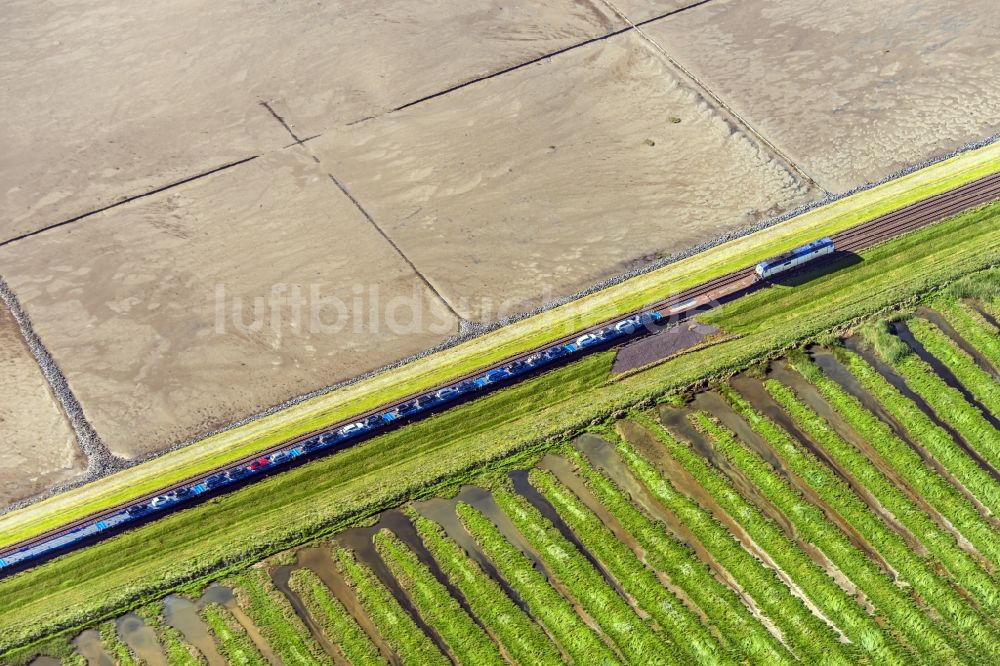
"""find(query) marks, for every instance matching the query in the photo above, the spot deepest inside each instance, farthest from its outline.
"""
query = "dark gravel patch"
(661, 346)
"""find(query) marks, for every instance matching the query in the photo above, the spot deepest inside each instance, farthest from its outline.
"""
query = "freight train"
(339, 436)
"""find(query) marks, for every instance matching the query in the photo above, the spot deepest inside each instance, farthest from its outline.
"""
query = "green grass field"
(858, 588)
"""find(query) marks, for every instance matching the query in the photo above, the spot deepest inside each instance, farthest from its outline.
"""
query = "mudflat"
(37, 446)
(851, 91)
(532, 186)
(190, 309)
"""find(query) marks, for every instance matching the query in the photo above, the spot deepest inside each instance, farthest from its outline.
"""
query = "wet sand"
(135, 97)
(39, 448)
(534, 185)
(852, 92)
(151, 310)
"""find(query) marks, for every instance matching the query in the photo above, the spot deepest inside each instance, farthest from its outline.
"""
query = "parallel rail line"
(864, 235)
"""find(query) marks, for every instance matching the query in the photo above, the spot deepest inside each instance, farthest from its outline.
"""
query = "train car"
(325, 440)
(794, 258)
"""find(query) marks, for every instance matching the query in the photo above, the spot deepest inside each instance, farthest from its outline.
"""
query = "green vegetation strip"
(947, 402)
(234, 642)
(544, 602)
(939, 543)
(210, 540)
(972, 326)
(466, 640)
(479, 353)
(395, 625)
(808, 636)
(979, 383)
(938, 491)
(635, 639)
(813, 525)
(722, 607)
(682, 625)
(337, 623)
(115, 646)
(922, 430)
(278, 624)
(177, 650)
(520, 637)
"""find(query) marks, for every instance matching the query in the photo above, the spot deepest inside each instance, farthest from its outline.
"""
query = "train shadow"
(831, 263)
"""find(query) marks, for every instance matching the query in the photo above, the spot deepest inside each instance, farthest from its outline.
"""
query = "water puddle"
(523, 487)
(182, 615)
(935, 318)
(986, 313)
(442, 512)
(44, 660)
(903, 332)
(753, 392)
(318, 560)
(88, 645)
(359, 540)
(280, 576)
(141, 639)
(222, 595)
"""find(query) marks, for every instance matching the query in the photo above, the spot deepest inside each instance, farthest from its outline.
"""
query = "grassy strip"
(977, 381)
(814, 526)
(809, 637)
(972, 326)
(466, 640)
(947, 402)
(933, 487)
(234, 643)
(115, 646)
(636, 640)
(681, 624)
(277, 621)
(940, 544)
(578, 640)
(406, 639)
(337, 623)
(722, 607)
(202, 543)
(520, 637)
(177, 650)
(60, 647)
(478, 353)
(938, 443)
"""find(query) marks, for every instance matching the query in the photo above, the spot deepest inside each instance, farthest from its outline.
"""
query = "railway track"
(862, 236)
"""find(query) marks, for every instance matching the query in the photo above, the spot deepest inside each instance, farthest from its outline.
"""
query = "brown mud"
(45, 660)
(223, 595)
(359, 540)
(565, 472)
(935, 317)
(753, 392)
(280, 576)
(88, 645)
(141, 639)
(836, 371)
(182, 615)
